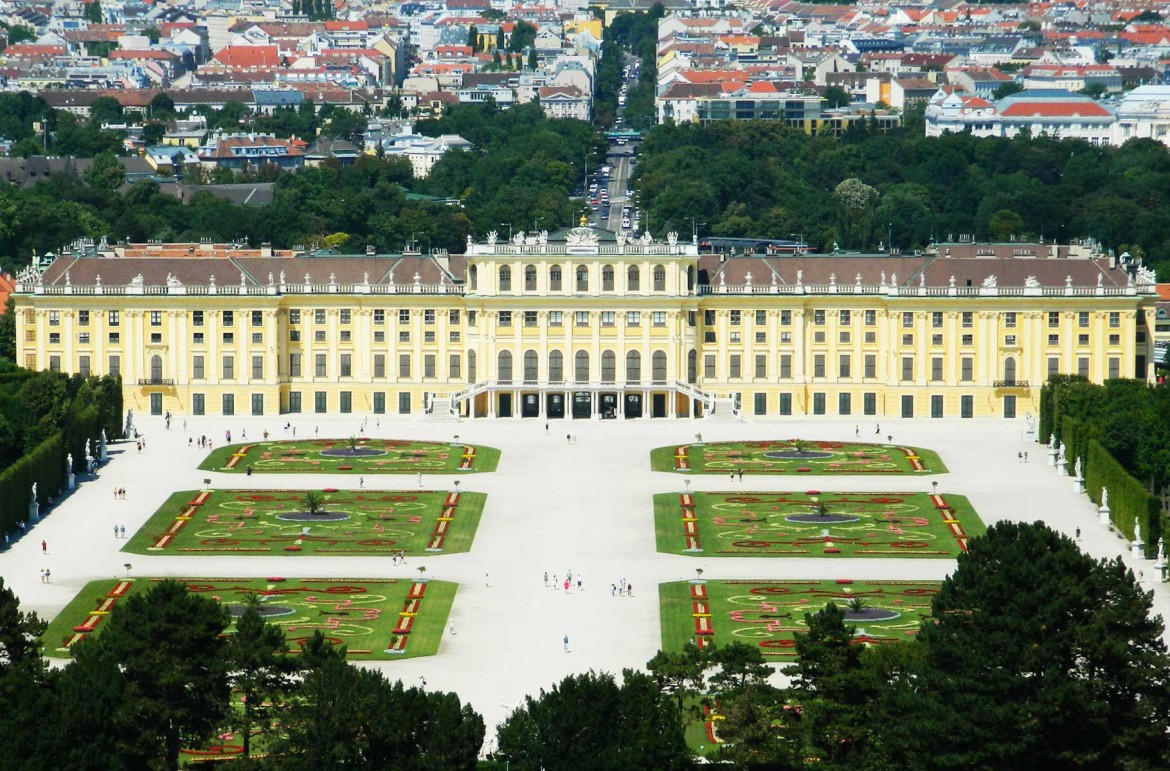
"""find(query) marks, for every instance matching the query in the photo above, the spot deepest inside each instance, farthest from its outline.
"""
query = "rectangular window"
(843, 337)
(1083, 319)
(761, 337)
(870, 365)
(1114, 367)
(429, 365)
(197, 367)
(1053, 318)
(968, 339)
(761, 365)
(936, 339)
(345, 401)
(819, 365)
(294, 365)
(229, 404)
(818, 337)
(819, 318)
(404, 404)
(907, 406)
(197, 338)
(454, 365)
(1053, 365)
(966, 369)
(346, 365)
(869, 403)
(258, 337)
(379, 403)
(471, 315)
(229, 337)
(1009, 319)
(198, 404)
(530, 318)
(453, 336)
(966, 406)
(319, 365)
(785, 366)
(453, 316)
(936, 319)
(504, 319)
(229, 367)
(404, 365)
(54, 338)
(229, 318)
(870, 318)
(1054, 339)
(785, 404)
(294, 316)
(320, 401)
(257, 404)
(258, 318)
(845, 365)
(818, 400)
(690, 318)
(581, 319)
(1083, 366)
(1082, 339)
(633, 318)
(379, 317)
(735, 337)
(379, 365)
(760, 404)
(786, 320)
(1009, 339)
(115, 337)
(709, 365)
(404, 337)
(608, 318)
(907, 368)
(555, 319)
(708, 318)
(115, 367)
(936, 406)
(428, 337)
(83, 318)
(112, 319)
(83, 365)
(734, 366)
(907, 339)
(907, 319)
(380, 336)
(1114, 319)
(844, 404)
(761, 318)
(845, 318)
(294, 401)
(658, 318)
(196, 318)
(968, 319)
(429, 316)
(403, 316)
(736, 318)
(1115, 339)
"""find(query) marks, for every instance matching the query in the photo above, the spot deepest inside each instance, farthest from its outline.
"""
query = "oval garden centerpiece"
(353, 455)
(795, 456)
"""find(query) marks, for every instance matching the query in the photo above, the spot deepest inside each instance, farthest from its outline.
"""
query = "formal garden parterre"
(795, 456)
(770, 613)
(376, 619)
(297, 522)
(814, 523)
(353, 455)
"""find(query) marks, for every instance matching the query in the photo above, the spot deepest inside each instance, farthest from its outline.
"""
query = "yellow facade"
(580, 324)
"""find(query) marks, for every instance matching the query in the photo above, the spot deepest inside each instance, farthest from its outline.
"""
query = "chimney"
(266, 249)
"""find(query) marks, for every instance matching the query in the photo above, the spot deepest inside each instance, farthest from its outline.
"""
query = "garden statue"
(69, 463)
(1104, 498)
(34, 492)
(1077, 468)
(1137, 532)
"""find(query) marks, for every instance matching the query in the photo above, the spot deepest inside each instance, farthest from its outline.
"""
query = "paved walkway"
(552, 506)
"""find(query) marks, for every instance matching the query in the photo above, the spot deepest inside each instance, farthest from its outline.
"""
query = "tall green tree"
(8, 331)
(168, 648)
(93, 11)
(588, 722)
(261, 671)
(105, 172)
(1043, 657)
(681, 675)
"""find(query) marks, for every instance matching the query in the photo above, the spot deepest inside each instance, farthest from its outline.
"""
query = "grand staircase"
(724, 409)
(441, 409)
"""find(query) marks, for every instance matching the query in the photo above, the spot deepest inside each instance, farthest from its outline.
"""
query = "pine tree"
(473, 38)
(532, 58)
(500, 39)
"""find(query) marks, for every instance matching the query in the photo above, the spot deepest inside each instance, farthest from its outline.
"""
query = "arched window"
(505, 279)
(659, 279)
(156, 368)
(554, 278)
(581, 361)
(530, 367)
(633, 278)
(504, 373)
(633, 367)
(607, 278)
(1009, 370)
(470, 366)
(473, 277)
(556, 367)
(608, 367)
(582, 278)
(658, 366)
(692, 365)
(530, 278)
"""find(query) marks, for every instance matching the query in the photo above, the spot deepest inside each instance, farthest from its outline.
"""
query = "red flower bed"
(844, 580)
(294, 547)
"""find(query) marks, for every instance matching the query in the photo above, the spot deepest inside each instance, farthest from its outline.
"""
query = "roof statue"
(271, 279)
(518, 239)
(921, 279)
(1099, 279)
(1031, 282)
(137, 280)
(243, 280)
(366, 277)
(672, 238)
(581, 236)
(173, 280)
(211, 280)
(647, 239)
(620, 237)
(952, 282)
(883, 281)
(282, 278)
(542, 238)
(491, 238)
(990, 282)
(799, 277)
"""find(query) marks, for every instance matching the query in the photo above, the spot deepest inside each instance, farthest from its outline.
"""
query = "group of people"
(398, 556)
(119, 531)
(567, 584)
(621, 589)
(119, 493)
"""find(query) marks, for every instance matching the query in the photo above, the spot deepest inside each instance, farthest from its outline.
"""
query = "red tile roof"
(249, 56)
(1055, 110)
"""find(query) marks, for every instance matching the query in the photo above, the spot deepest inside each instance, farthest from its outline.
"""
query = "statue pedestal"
(102, 455)
(1079, 484)
(70, 481)
(1138, 549)
(34, 511)
(1103, 515)
(1061, 469)
(1052, 457)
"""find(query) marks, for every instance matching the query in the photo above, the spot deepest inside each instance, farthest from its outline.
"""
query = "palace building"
(585, 323)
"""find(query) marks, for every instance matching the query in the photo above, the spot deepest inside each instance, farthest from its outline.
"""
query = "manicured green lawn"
(787, 524)
(337, 456)
(769, 613)
(786, 456)
(360, 613)
(274, 522)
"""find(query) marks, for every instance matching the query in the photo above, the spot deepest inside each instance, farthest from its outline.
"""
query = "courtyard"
(551, 507)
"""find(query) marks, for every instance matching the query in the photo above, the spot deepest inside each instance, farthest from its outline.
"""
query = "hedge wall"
(1076, 436)
(1129, 500)
(45, 465)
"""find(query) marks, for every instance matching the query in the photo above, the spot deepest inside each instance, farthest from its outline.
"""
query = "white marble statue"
(1077, 468)
(1104, 498)
(1137, 532)
(1031, 282)
(991, 282)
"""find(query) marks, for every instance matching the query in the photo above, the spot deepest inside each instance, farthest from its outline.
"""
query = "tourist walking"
(44, 547)
(566, 643)
(546, 579)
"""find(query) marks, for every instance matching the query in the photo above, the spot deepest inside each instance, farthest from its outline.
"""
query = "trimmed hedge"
(45, 466)
(1129, 500)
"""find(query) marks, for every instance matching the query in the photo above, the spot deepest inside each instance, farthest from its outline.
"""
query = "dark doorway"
(608, 405)
(582, 405)
(554, 406)
(633, 405)
(530, 405)
(156, 404)
(658, 405)
(504, 408)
